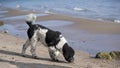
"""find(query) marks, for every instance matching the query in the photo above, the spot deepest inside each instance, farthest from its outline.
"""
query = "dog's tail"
(30, 19)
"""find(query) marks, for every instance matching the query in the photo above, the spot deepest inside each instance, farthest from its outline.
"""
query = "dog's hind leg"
(25, 46)
(33, 47)
(54, 53)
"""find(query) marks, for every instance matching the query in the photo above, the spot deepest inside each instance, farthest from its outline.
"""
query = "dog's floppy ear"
(68, 53)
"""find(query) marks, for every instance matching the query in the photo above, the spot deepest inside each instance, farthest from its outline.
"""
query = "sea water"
(96, 9)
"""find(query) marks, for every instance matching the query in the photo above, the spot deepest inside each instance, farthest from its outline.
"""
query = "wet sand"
(86, 35)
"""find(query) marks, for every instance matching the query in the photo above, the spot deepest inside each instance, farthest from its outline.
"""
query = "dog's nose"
(71, 60)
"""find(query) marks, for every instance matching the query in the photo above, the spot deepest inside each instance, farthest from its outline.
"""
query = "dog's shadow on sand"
(28, 56)
(30, 65)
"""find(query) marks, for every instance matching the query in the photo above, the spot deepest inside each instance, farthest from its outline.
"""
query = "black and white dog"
(54, 40)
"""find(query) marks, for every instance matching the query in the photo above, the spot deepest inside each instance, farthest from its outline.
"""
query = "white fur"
(31, 17)
(41, 33)
(61, 43)
(54, 53)
(33, 44)
(25, 46)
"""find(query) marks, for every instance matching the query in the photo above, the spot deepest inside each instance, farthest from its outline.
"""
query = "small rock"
(12, 58)
(115, 55)
(3, 47)
(5, 31)
(104, 55)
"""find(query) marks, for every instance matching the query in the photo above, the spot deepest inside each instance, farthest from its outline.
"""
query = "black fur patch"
(68, 53)
(52, 37)
(32, 28)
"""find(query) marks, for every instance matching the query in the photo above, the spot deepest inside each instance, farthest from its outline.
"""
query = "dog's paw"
(55, 60)
(23, 55)
(35, 57)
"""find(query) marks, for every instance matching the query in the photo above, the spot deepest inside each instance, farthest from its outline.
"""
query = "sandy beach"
(91, 33)
(10, 56)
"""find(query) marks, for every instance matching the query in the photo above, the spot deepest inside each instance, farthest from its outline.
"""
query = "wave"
(110, 20)
(117, 21)
(48, 11)
(79, 9)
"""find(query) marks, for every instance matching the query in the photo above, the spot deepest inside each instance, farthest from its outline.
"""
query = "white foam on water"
(117, 21)
(47, 11)
(78, 9)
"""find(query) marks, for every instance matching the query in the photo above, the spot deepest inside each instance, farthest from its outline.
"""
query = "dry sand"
(10, 56)
(10, 46)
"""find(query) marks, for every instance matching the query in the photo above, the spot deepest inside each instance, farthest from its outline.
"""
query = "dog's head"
(31, 17)
(68, 53)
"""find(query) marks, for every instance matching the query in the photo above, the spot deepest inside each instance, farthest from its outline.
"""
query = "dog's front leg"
(33, 47)
(54, 53)
(25, 46)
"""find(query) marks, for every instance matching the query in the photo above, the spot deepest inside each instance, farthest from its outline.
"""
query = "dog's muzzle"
(71, 60)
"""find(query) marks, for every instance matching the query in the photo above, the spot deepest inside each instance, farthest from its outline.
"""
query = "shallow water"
(54, 23)
(92, 43)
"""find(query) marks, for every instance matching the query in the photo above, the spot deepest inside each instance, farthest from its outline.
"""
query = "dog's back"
(44, 34)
